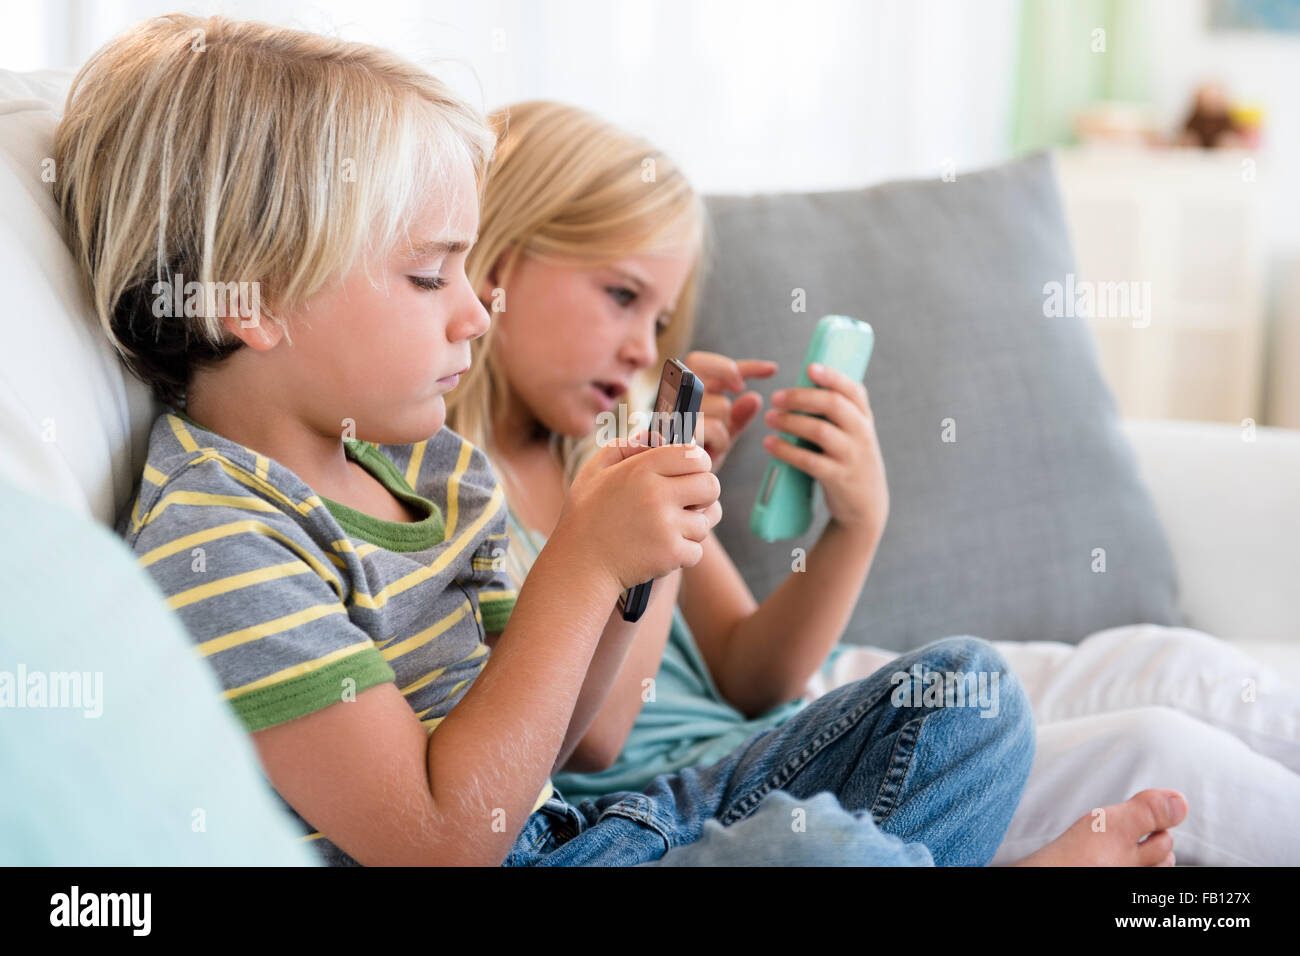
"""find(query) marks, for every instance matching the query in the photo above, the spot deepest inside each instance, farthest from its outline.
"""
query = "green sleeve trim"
(300, 696)
(495, 614)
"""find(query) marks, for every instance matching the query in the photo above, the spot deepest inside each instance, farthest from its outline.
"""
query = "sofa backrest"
(73, 422)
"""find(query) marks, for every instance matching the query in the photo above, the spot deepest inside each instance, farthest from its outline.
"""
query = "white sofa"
(73, 423)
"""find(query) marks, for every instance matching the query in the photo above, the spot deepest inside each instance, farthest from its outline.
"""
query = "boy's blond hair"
(566, 186)
(226, 151)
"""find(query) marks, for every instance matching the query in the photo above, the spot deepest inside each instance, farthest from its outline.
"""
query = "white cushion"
(1230, 509)
(73, 422)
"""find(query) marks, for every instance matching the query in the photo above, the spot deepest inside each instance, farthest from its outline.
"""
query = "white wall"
(1256, 66)
(745, 94)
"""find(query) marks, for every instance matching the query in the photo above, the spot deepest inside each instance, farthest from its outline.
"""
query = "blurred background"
(1176, 125)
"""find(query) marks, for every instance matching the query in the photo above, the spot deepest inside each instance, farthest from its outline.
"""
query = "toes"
(1176, 806)
(1150, 810)
(1156, 848)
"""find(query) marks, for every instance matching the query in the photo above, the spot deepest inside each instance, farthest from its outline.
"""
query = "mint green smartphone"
(783, 508)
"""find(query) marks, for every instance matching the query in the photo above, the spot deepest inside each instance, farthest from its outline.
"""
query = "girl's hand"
(642, 512)
(721, 419)
(849, 466)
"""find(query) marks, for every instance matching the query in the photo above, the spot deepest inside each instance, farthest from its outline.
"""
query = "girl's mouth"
(607, 393)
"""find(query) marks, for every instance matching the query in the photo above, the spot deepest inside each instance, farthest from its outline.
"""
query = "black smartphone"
(672, 423)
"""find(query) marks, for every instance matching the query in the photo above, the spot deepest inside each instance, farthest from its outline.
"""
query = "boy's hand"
(849, 466)
(721, 418)
(642, 512)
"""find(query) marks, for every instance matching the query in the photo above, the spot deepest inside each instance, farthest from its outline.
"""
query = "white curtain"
(748, 95)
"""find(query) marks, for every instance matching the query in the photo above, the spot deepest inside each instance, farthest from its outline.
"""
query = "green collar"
(391, 535)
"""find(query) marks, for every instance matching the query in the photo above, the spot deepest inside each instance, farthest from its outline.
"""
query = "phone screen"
(663, 430)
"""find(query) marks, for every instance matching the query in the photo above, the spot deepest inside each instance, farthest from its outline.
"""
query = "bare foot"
(1114, 836)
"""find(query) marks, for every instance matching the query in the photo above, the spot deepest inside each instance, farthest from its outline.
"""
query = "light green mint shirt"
(687, 724)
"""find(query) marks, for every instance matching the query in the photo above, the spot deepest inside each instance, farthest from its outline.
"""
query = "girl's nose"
(640, 348)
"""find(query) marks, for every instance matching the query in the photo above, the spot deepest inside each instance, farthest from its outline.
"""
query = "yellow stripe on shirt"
(425, 636)
(277, 625)
(241, 527)
(200, 498)
(297, 670)
(409, 581)
(453, 486)
(154, 476)
(235, 582)
(433, 675)
(413, 467)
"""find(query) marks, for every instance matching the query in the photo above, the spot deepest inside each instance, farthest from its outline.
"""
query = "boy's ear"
(246, 322)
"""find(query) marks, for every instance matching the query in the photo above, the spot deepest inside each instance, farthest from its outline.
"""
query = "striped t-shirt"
(300, 602)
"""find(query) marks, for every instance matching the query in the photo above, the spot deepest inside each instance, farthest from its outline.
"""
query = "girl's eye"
(429, 283)
(618, 292)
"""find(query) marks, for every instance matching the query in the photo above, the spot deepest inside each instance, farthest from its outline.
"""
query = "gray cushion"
(993, 534)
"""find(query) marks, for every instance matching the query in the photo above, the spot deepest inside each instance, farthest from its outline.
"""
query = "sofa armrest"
(1231, 509)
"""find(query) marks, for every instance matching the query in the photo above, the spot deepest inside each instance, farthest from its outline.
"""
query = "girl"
(589, 253)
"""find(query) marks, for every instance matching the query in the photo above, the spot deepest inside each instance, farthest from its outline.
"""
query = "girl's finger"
(717, 373)
(804, 459)
(833, 378)
(671, 461)
(823, 401)
(743, 410)
(700, 489)
(617, 450)
(756, 368)
(832, 440)
(713, 435)
(720, 373)
(716, 406)
(695, 523)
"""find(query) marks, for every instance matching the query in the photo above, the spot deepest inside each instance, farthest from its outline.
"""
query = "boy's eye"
(621, 294)
(428, 283)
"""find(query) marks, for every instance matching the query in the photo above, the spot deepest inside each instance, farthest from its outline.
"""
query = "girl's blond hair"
(566, 186)
(226, 151)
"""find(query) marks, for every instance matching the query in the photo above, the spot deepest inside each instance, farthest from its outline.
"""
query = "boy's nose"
(472, 321)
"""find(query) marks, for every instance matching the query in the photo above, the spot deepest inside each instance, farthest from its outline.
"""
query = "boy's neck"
(319, 459)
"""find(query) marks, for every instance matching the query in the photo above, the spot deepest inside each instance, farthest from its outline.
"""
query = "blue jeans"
(919, 776)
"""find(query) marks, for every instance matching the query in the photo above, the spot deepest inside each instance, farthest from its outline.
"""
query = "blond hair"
(566, 185)
(220, 151)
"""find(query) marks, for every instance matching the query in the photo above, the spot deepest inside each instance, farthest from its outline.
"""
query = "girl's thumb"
(620, 449)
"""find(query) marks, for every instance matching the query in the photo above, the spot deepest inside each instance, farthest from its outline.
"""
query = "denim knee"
(965, 652)
(786, 831)
(1013, 726)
